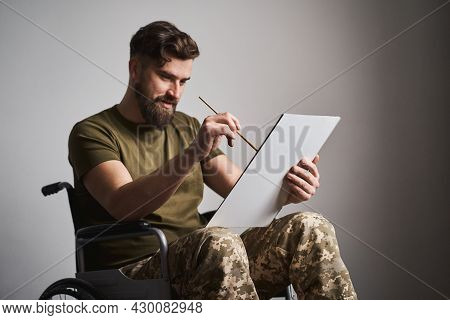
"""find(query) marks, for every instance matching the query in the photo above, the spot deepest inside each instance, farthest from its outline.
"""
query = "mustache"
(166, 99)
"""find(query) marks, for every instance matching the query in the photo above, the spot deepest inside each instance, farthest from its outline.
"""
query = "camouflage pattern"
(214, 263)
(209, 263)
(301, 249)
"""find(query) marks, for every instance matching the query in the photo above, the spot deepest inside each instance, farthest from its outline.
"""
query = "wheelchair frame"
(112, 283)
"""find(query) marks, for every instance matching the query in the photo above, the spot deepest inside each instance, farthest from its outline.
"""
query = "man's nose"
(175, 91)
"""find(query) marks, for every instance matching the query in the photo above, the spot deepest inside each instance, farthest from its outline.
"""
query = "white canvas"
(256, 198)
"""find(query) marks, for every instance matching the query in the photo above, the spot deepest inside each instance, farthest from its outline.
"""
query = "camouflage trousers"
(213, 263)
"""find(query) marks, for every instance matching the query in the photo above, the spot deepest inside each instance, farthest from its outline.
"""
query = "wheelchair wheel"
(70, 289)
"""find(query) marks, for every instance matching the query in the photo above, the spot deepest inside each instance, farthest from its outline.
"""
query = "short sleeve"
(214, 153)
(89, 145)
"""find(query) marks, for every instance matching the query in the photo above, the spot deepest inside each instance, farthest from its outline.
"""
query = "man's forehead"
(178, 68)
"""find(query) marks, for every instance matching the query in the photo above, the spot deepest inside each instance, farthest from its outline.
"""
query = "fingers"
(305, 175)
(297, 194)
(303, 180)
(214, 129)
(228, 119)
(310, 166)
(236, 122)
(223, 124)
(211, 130)
(308, 187)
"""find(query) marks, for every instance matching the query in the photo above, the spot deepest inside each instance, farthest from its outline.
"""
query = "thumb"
(316, 159)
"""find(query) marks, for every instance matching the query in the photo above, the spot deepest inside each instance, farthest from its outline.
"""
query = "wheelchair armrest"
(120, 230)
(104, 232)
(55, 188)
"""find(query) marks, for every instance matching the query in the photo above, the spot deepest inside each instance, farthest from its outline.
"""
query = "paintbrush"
(240, 135)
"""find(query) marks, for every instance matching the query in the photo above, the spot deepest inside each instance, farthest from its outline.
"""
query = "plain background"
(384, 172)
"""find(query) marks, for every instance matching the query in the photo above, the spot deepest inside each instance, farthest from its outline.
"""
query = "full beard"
(153, 111)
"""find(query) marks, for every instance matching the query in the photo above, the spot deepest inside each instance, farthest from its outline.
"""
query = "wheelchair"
(112, 283)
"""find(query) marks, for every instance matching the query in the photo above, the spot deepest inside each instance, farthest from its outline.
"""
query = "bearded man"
(142, 159)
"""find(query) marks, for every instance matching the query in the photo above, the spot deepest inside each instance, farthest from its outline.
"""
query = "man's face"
(158, 90)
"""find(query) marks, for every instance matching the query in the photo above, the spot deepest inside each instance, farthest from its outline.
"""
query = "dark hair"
(161, 40)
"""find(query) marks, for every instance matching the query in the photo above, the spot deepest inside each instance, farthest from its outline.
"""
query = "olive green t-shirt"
(142, 149)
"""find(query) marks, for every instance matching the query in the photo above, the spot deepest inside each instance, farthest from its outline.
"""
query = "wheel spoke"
(69, 289)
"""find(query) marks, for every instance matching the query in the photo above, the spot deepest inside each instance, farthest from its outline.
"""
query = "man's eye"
(182, 83)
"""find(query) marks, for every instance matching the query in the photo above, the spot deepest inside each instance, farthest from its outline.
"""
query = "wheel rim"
(70, 294)
(70, 289)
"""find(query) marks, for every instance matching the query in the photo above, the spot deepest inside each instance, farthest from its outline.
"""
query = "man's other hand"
(302, 181)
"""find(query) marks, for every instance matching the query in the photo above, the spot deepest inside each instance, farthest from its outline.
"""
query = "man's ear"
(134, 69)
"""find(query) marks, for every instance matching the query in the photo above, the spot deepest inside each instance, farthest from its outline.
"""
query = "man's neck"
(129, 108)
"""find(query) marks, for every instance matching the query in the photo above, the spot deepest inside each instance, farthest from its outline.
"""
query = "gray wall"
(385, 174)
